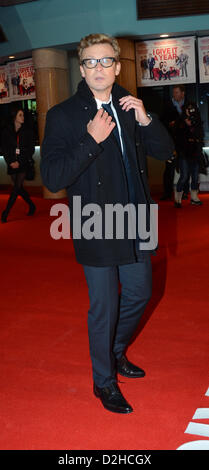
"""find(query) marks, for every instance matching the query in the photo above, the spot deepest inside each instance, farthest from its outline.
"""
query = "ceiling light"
(164, 35)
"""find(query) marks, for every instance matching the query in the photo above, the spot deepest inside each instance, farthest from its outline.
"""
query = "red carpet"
(46, 399)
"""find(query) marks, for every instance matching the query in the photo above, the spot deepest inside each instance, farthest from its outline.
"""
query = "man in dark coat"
(99, 156)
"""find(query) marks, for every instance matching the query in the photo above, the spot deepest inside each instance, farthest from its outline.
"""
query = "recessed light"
(11, 56)
(164, 35)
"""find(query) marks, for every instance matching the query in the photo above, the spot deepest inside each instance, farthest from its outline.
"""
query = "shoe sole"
(125, 412)
(132, 376)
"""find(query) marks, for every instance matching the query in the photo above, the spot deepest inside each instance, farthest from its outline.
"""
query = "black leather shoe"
(32, 209)
(177, 205)
(4, 217)
(112, 399)
(127, 369)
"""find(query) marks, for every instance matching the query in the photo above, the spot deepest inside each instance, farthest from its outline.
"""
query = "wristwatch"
(150, 117)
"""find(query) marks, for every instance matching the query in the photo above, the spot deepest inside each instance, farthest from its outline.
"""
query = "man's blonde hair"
(93, 39)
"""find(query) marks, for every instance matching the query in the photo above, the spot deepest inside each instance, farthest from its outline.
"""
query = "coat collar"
(86, 95)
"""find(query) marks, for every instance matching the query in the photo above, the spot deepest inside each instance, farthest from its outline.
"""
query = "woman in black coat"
(17, 148)
(190, 140)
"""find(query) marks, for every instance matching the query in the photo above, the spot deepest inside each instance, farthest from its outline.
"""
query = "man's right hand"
(101, 126)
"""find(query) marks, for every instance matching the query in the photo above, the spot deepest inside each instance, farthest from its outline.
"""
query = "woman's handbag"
(30, 170)
(204, 163)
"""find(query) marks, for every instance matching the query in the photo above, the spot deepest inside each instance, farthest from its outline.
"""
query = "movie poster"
(166, 61)
(22, 84)
(203, 53)
(4, 84)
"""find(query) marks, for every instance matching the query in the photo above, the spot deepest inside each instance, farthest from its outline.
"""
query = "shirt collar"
(178, 104)
(100, 103)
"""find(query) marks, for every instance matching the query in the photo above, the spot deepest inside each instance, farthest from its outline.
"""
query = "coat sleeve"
(62, 163)
(157, 141)
(8, 150)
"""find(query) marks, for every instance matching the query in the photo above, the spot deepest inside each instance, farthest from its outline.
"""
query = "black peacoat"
(72, 159)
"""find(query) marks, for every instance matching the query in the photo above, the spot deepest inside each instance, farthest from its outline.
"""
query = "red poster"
(22, 82)
(4, 85)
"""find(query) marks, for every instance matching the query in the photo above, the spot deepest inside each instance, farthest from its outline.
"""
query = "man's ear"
(117, 68)
(82, 71)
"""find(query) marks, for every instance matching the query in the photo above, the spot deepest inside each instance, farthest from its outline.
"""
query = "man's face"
(178, 95)
(100, 79)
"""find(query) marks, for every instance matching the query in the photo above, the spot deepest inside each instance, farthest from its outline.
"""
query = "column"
(52, 87)
(127, 76)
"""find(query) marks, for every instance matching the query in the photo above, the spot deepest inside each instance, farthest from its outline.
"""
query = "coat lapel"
(126, 119)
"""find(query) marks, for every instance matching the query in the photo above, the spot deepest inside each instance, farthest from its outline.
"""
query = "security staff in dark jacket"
(94, 145)
(17, 148)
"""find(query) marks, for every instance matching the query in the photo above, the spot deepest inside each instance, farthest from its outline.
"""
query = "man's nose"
(99, 66)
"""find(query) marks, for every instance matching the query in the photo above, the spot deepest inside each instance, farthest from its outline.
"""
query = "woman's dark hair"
(15, 109)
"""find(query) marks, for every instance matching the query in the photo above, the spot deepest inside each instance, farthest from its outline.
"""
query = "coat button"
(141, 171)
(90, 155)
(86, 108)
(99, 183)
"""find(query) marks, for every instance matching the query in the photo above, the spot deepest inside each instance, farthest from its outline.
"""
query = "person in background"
(144, 67)
(206, 63)
(183, 62)
(170, 117)
(151, 64)
(190, 140)
(17, 143)
(164, 71)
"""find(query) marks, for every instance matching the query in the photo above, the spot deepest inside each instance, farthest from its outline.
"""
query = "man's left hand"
(130, 102)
